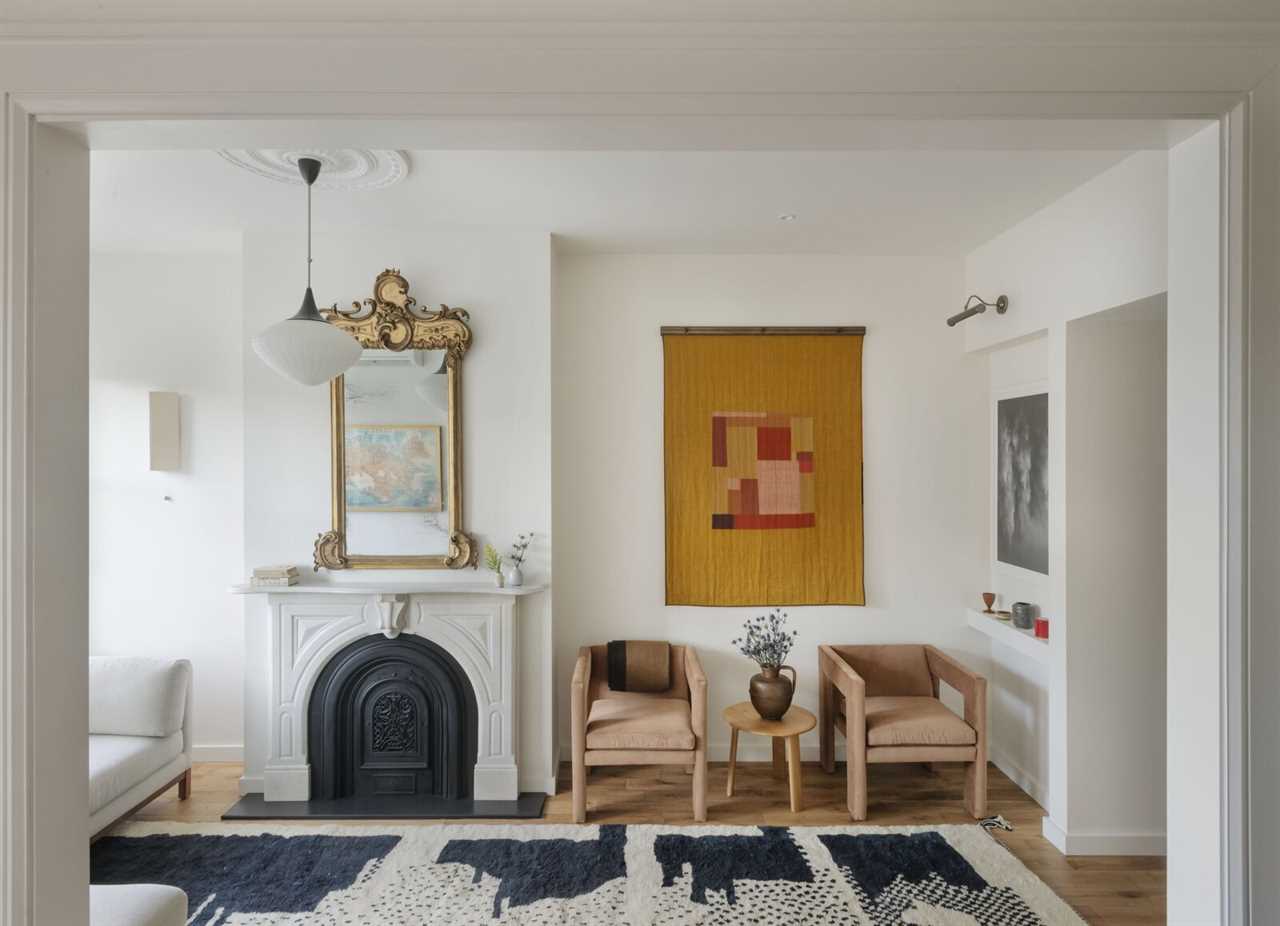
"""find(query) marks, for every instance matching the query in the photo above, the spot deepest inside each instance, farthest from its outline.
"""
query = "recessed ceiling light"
(787, 217)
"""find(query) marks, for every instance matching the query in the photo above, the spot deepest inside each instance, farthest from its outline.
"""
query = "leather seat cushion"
(636, 723)
(897, 721)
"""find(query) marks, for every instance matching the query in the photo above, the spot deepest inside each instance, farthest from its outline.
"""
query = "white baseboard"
(251, 784)
(1018, 775)
(1095, 843)
(229, 753)
(540, 784)
(545, 783)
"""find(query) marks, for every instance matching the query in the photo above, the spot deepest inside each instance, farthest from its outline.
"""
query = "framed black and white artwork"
(1022, 481)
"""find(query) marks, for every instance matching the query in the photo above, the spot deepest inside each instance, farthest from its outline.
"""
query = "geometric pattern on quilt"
(762, 471)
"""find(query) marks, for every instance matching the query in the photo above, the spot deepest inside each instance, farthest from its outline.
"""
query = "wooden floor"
(1103, 890)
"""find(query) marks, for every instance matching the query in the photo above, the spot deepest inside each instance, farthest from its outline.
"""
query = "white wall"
(164, 545)
(924, 434)
(1115, 575)
(1018, 688)
(1194, 543)
(1103, 245)
(503, 278)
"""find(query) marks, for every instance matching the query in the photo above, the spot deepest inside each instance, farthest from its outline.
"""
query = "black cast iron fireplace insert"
(391, 718)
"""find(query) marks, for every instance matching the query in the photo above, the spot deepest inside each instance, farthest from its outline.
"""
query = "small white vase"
(497, 578)
(513, 576)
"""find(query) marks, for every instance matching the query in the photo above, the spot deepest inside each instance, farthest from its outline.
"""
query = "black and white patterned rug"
(482, 874)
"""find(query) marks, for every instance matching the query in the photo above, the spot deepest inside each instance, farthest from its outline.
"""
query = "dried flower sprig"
(492, 558)
(520, 546)
(767, 641)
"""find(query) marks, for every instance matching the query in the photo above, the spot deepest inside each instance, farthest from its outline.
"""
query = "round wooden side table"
(742, 716)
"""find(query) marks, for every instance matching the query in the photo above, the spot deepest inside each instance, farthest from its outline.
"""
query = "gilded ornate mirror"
(397, 437)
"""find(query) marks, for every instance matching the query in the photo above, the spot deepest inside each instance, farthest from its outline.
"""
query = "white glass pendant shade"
(306, 348)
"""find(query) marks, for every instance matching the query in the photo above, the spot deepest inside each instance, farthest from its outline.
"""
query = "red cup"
(1042, 628)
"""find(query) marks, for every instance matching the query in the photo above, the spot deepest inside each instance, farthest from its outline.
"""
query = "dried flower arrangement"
(767, 640)
(519, 547)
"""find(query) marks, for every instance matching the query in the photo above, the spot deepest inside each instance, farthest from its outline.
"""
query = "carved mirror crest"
(396, 437)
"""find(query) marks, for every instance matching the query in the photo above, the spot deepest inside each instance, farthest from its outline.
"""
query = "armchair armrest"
(971, 685)
(840, 673)
(578, 689)
(697, 680)
(834, 671)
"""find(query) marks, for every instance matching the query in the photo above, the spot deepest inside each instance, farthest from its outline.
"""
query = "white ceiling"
(872, 202)
(391, 11)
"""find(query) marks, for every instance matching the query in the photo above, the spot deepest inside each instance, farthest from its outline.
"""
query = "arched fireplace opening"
(392, 718)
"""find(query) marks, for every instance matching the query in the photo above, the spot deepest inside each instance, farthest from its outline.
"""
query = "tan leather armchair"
(884, 699)
(638, 728)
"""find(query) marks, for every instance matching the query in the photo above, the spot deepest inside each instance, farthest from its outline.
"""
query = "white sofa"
(137, 905)
(139, 734)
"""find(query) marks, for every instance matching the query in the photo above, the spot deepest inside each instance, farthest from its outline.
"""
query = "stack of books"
(274, 576)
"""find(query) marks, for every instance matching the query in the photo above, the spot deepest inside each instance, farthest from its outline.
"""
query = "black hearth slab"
(528, 806)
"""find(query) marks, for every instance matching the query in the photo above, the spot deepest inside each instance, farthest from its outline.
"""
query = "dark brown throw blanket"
(639, 665)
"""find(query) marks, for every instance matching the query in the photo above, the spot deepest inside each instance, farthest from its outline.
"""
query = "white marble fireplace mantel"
(476, 624)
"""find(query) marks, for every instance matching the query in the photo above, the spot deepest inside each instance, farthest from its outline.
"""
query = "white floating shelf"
(1024, 641)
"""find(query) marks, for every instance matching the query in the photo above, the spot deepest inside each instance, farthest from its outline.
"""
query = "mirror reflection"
(396, 411)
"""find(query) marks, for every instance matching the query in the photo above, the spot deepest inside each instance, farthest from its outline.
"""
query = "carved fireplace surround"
(476, 625)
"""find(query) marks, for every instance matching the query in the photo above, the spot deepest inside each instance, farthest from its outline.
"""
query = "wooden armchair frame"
(583, 758)
(838, 680)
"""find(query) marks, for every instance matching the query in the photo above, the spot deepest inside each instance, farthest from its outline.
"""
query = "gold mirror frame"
(393, 321)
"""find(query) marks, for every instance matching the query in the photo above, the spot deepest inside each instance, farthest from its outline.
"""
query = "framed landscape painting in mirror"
(396, 441)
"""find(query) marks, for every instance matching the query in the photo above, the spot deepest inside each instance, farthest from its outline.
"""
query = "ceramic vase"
(771, 691)
(1024, 615)
(498, 578)
(512, 575)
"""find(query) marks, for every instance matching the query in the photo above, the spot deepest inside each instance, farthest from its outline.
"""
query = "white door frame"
(269, 87)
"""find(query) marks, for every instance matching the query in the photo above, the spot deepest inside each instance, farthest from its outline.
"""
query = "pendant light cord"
(309, 168)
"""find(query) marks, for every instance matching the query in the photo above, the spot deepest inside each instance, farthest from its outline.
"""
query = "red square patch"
(773, 443)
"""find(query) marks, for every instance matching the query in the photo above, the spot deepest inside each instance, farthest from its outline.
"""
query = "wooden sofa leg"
(579, 789)
(184, 785)
(700, 787)
(975, 789)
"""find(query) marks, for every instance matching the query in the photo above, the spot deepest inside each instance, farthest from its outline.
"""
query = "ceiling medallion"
(344, 168)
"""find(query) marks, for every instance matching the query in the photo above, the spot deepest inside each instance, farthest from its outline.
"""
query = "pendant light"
(305, 348)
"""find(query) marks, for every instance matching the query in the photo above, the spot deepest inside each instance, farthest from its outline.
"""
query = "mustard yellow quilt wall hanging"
(762, 439)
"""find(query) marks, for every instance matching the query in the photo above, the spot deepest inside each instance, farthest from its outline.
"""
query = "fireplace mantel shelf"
(388, 588)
